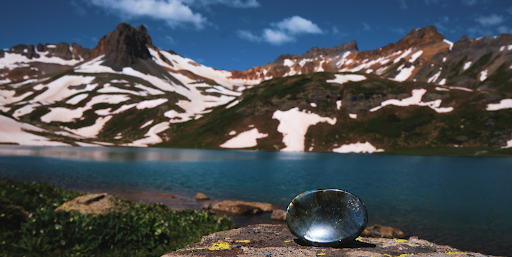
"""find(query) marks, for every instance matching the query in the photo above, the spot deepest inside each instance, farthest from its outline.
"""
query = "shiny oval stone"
(326, 217)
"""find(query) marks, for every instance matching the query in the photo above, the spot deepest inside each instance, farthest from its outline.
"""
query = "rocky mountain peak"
(419, 37)
(325, 52)
(124, 45)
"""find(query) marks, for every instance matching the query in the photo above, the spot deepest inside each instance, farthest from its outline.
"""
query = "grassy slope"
(469, 130)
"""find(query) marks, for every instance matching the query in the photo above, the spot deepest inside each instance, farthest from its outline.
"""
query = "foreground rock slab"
(276, 240)
(93, 204)
(240, 207)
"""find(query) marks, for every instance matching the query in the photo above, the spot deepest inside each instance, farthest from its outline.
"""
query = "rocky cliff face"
(124, 45)
(423, 55)
(22, 62)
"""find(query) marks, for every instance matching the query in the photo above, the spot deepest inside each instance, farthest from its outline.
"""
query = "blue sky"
(240, 34)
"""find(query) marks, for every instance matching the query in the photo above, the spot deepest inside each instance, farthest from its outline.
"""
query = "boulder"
(200, 197)
(276, 240)
(379, 231)
(240, 207)
(94, 204)
(278, 215)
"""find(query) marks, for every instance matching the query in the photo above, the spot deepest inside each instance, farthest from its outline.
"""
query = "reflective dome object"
(326, 217)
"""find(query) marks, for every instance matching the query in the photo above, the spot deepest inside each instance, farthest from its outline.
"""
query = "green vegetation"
(29, 226)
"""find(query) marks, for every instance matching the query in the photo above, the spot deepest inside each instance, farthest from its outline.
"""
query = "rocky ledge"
(276, 240)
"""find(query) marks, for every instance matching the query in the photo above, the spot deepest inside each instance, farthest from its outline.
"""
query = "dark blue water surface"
(460, 201)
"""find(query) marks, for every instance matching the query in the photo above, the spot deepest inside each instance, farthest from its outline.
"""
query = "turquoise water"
(460, 201)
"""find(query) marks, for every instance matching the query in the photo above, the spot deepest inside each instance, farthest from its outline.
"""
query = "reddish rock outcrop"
(124, 45)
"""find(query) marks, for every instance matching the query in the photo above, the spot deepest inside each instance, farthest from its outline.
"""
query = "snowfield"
(294, 124)
(244, 140)
(357, 148)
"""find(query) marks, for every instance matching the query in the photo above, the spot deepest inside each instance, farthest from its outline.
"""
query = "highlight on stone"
(326, 217)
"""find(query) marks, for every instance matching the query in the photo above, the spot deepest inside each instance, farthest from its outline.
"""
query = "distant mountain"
(423, 94)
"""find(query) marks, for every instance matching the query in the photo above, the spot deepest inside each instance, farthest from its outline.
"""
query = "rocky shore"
(276, 240)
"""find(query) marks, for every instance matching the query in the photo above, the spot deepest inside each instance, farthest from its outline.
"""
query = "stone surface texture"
(276, 240)
(278, 215)
(93, 204)
(379, 231)
(239, 207)
(201, 196)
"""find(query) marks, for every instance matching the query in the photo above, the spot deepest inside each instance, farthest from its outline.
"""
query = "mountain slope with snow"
(423, 91)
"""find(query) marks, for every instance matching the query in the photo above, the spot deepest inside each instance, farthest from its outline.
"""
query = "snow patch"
(352, 115)
(404, 74)
(338, 104)
(294, 124)
(313, 104)
(61, 114)
(146, 124)
(442, 89)
(415, 99)
(232, 104)
(442, 82)
(151, 103)
(232, 132)
(59, 88)
(462, 88)
(467, 65)
(449, 43)
(244, 139)
(503, 104)
(406, 53)
(76, 99)
(509, 144)
(415, 56)
(343, 78)
(151, 136)
(11, 61)
(357, 148)
(93, 130)
(483, 75)
(434, 77)
(16, 132)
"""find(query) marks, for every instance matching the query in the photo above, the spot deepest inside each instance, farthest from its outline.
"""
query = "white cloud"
(490, 20)
(230, 3)
(509, 10)
(504, 30)
(298, 25)
(366, 26)
(173, 12)
(248, 36)
(403, 5)
(284, 31)
(335, 30)
(276, 37)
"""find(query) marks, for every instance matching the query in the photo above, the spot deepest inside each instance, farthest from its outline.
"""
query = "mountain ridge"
(128, 92)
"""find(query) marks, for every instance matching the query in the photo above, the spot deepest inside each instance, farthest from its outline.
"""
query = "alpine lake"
(464, 202)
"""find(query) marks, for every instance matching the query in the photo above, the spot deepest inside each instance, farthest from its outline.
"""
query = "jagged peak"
(419, 37)
(124, 45)
(325, 52)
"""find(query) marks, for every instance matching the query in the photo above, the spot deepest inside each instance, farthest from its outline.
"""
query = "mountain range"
(421, 95)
